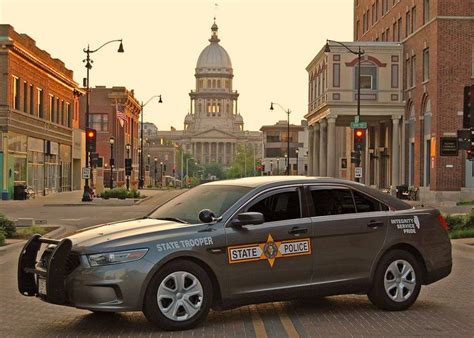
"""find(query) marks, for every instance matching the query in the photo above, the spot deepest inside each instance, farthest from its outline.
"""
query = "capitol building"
(213, 128)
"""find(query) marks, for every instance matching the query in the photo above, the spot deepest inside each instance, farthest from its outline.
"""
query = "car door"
(275, 254)
(349, 229)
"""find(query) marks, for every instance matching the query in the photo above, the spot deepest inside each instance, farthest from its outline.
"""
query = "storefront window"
(17, 142)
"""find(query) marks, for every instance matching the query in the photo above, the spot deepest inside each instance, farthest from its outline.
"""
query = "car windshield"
(186, 207)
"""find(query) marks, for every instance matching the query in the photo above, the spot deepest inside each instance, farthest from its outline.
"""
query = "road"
(445, 308)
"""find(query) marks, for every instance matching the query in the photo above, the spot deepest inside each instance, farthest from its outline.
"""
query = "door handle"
(297, 231)
(375, 224)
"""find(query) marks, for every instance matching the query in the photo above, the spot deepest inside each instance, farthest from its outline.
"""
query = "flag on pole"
(120, 111)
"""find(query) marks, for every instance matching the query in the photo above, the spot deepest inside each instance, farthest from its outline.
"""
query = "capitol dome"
(214, 56)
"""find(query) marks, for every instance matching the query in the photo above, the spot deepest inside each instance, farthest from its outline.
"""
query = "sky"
(270, 43)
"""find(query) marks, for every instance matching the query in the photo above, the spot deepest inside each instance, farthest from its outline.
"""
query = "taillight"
(443, 223)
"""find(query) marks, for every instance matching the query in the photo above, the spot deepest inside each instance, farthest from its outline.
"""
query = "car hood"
(122, 234)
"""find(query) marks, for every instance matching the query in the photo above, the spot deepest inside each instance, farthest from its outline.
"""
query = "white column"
(225, 153)
(316, 147)
(210, 152)
(194, 150)
(395, 150)
(331, 154)
(202, 152)
(310, 150)
(323, 148)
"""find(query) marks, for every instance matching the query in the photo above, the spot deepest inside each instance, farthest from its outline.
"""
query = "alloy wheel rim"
(399, 280)
(180, 296)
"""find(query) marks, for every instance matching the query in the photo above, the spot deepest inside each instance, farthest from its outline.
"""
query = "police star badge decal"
(269, 250)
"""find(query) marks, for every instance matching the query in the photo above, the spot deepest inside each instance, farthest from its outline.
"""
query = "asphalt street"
(443, 309)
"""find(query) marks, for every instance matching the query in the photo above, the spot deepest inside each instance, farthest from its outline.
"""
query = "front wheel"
(179, 296)
(397, 281)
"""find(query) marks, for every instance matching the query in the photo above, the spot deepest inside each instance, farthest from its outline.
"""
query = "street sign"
(359, 125)
(86, 173)
(358, 172)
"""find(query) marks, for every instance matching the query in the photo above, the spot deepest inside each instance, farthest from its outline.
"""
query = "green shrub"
(133, 194)
(2, 238)
(469, 221)
(462, 233)
(456, 222)
(8, 226)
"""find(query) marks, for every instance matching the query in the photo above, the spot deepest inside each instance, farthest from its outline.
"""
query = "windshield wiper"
(174, 219)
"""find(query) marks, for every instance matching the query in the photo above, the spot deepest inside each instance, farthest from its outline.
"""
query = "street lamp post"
(86, 196)
(112, 162)
(149, 168)
(161, 175)
(187, 168)
(287, 111)
(287, 164)
(141, 171)
(156, 163)
(359, 54)
(271, 167)
(297, 154)
(128, 146)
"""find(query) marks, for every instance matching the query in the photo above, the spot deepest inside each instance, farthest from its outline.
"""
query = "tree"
(243, 165)
(214, 169)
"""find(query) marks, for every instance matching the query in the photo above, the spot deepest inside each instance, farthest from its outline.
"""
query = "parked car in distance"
(228, 243)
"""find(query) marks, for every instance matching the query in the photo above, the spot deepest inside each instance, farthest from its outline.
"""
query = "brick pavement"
(445, 308)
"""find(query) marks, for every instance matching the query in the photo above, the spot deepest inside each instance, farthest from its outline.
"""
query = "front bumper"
(71, 282)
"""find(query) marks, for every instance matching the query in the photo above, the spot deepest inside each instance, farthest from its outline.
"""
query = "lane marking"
(257, 322)
(286, 321)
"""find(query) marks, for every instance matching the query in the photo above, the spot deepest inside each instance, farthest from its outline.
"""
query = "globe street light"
(111, 161)
(297, 154)
(86, 196)
(141, 172)
(288, 129)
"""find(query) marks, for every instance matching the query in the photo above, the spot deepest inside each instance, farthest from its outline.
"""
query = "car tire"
(178, 296)
(397, 281)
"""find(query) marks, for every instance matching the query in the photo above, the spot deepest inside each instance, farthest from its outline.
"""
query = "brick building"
(438, 61)
(275, 148)
(40, 143)
(114, 112)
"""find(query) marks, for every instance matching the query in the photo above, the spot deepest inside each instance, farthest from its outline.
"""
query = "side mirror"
(206, 216)
(246, 218)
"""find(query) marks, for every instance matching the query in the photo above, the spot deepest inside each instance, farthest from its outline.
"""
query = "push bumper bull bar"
(55, 273)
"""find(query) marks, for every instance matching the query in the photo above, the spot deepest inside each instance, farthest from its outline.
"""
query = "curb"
(50, 234)
(463, 245)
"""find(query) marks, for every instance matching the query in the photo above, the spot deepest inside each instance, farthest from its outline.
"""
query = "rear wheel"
(179, 296)
(397, 281)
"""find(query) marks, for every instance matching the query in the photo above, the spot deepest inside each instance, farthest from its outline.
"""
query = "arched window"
(427, 117)
(411, 121)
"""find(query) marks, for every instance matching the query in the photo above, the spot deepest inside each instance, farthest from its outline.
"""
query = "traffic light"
(359, 139)
(91, 140)
(468, 107)
(469, 154)
(355, 158)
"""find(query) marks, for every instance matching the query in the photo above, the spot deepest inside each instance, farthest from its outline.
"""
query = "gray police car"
(229, 243)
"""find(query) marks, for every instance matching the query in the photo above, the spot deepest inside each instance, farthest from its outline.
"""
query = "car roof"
(269, 181)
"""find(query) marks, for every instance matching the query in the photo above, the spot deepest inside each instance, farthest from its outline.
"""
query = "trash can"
(402, 191)
(19, 192)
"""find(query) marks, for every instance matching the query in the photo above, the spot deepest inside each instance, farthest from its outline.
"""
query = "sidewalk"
(74, 198)
(463, 244)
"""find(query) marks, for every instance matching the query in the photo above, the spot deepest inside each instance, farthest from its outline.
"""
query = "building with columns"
(332, 102)
(213, 127)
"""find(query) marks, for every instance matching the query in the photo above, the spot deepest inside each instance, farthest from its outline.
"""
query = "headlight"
(116, 257)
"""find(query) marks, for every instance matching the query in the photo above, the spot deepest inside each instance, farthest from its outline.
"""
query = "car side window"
(365, 203)
(332, 201)
(279, 206)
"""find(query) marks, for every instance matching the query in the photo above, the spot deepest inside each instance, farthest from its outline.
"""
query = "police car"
(229, 243)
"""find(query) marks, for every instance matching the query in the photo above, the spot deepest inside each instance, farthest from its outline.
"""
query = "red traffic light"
(359, 139)
(359, 133)
(91, 133)
(91, 136)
